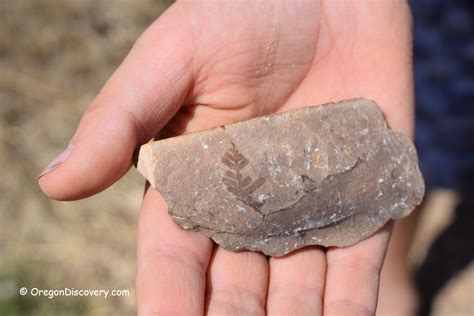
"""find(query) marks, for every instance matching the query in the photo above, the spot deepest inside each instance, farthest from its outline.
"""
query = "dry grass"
(54, 56)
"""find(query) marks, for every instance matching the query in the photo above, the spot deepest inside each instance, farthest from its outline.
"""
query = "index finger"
(139, 99)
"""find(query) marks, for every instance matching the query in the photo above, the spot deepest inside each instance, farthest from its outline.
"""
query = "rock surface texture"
(328, 175)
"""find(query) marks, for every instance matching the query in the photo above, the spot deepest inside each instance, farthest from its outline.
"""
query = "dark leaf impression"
(239, 185)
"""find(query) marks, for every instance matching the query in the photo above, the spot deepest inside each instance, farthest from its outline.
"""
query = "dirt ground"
(54, 57)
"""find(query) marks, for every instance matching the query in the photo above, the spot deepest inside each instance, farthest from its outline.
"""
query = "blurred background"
(54, 57)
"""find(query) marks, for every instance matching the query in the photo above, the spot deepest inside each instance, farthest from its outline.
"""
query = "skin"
(206, 64)
(397, 294)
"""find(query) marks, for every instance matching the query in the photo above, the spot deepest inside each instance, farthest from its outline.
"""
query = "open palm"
(202, 65)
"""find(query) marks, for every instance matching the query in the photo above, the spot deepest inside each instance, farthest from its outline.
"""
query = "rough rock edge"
(146, 155)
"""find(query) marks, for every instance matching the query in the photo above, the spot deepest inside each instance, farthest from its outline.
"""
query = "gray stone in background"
(329, 175)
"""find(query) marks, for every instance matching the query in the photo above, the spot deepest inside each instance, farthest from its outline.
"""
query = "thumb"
(136, 102)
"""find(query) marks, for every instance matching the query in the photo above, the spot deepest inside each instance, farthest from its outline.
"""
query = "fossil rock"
(329, 175)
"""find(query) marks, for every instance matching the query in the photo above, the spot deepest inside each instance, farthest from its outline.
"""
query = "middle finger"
(296, 285)
(236, 283)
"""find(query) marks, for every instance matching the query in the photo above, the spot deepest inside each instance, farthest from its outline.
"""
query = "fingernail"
(57, 161)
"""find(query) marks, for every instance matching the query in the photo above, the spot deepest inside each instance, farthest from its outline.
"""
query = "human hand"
(202, 65)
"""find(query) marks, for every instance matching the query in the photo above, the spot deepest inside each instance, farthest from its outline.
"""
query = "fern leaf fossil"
(236, 183)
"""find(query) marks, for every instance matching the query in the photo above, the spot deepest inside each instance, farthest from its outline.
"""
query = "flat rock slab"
(326, 175)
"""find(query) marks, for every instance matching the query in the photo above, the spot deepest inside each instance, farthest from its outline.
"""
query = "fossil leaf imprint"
(241, 186)
(326, 175)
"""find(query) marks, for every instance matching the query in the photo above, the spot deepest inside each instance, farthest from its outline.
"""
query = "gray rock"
(329, 175)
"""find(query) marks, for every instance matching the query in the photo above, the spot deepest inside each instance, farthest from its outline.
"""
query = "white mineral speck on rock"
(262, 198)
(241, 209)
(295, 179)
